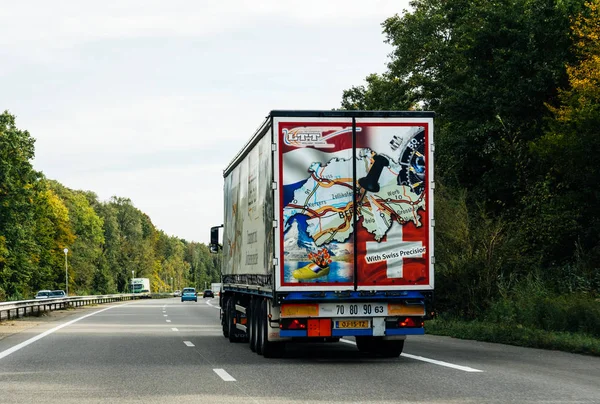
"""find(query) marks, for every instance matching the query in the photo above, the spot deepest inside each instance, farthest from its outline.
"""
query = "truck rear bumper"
(353, 333)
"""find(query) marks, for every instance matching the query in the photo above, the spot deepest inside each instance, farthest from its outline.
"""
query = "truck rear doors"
(353, 201)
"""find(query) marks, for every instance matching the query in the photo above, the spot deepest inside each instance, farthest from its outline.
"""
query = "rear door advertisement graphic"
(392, 235)
(317, 207)
(353, 217)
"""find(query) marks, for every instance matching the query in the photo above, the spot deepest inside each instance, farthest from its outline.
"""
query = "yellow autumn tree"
(571, 153)
(582, 99)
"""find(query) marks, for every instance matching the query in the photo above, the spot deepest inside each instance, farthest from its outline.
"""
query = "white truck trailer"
(328, 231)
(140, 285)
(216, 288)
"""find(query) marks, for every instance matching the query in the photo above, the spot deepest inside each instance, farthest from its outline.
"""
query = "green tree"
(563, 209)
(106, 240)
(489, 70)
(85, 252)
(105, 278)
(386, 92)
(137, 238)
(18, 181)
(53, 232)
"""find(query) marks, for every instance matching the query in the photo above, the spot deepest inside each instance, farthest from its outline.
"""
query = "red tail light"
(410, 322)
(293, 324)
(297, 325)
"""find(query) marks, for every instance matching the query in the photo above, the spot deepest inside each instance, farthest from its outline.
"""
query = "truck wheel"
(224, 321)
(234, 333)
(251, 326)
(390, 349)
(376, 346)
(269, 349)
(365, 344)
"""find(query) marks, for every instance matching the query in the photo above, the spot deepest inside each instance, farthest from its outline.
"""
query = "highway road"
(159, 351)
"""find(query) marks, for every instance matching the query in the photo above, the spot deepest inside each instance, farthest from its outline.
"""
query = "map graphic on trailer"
(326, 200)
(318, 224)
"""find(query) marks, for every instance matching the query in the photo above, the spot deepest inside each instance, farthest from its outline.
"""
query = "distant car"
(189, 294)
(58, 293)
(208, 293)
(44, 294)
(177, 293)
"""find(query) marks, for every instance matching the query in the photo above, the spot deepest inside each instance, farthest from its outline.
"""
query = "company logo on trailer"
(303, 137)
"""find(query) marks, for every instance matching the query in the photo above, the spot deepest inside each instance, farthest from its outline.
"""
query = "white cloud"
(150, 100)
(73, 21)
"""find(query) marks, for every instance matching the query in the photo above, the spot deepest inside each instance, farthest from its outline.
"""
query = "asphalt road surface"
(165, 351)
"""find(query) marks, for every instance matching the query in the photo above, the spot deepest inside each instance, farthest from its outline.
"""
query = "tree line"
(515, 85)
(107, 240)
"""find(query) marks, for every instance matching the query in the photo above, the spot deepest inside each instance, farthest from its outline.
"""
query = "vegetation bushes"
(537, 309)
(515, 335)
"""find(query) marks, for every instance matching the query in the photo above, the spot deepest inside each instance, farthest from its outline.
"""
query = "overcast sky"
(150, 100)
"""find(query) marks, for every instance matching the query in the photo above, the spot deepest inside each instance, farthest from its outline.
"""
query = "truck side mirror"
(214, 239)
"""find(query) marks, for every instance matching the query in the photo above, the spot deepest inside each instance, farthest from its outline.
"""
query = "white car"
(44, 294)
(177, 293)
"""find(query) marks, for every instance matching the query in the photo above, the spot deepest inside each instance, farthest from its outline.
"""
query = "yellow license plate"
(352, 324)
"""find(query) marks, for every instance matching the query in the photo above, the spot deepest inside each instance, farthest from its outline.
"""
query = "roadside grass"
(515, 335)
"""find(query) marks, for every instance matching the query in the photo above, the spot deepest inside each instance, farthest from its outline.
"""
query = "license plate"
(353, 309)
(352, 324)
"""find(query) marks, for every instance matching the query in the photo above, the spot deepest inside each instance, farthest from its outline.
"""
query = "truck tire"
(376, 346)
(252, 326)
(269, 349)
(390, 349)
(365, 344)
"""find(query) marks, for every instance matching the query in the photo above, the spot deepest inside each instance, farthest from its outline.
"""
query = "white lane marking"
(174, 329)
(168, 321)
(188, 343)
(442, 363)
(224, 375)
(23, 344)
(165, 315)
(216, 307)
(434, 361)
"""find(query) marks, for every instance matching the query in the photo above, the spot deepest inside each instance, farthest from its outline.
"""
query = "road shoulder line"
(428, 360)
(224, 375)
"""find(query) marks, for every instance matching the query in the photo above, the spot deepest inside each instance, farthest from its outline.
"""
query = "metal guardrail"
(23, 308)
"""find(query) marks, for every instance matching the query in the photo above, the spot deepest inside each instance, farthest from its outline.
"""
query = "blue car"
(189, 294)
